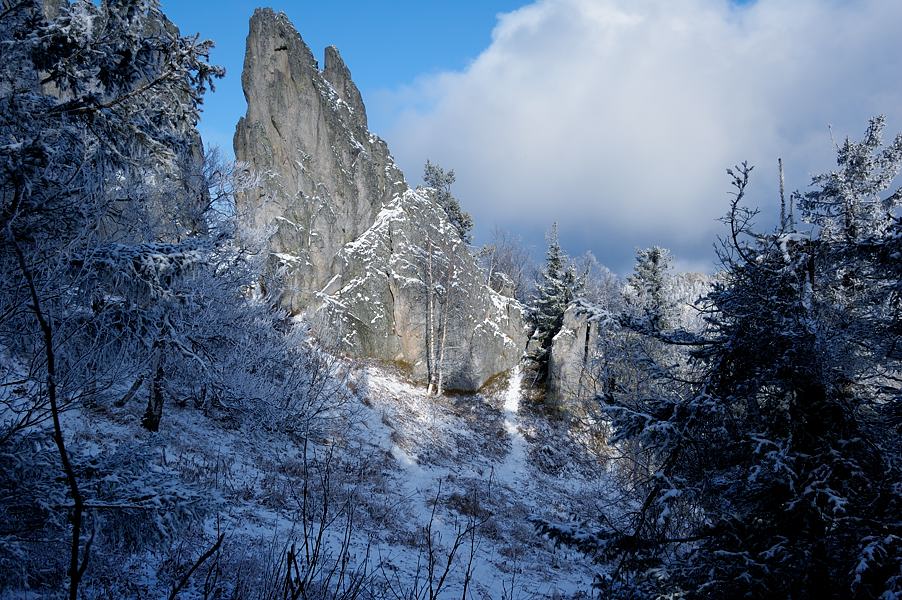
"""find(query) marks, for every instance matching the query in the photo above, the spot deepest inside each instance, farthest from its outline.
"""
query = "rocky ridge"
(350, 240)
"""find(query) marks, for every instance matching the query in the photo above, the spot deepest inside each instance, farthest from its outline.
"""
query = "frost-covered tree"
(507, 265)
(773, 467)
(647, 290)
(558, 285)
(441, 181)
(603, 288)
(102, 191)
(124, 292)
(98, 103)
(440, 280)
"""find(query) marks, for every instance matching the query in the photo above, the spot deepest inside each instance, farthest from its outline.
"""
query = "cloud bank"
(617, 118)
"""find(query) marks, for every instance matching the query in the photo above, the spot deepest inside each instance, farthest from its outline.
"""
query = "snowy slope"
(397, 470)
(472, 454)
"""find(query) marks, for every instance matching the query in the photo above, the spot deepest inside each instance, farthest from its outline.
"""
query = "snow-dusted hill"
(476, 456)
(386, 488)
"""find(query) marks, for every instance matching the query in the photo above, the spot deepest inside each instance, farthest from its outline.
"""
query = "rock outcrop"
(574, 351)
(349, 238)
(579, 345)
(339, 77)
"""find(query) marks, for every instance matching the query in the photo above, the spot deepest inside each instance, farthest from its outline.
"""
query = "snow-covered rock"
(571, 373)
(687, 290)
(356, 237)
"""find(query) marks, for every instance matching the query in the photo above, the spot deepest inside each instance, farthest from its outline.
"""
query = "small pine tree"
(558, 286)
(648, 285)
(436, 177)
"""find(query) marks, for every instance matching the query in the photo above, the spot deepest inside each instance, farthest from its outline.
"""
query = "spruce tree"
(558, 286)
(648, 285)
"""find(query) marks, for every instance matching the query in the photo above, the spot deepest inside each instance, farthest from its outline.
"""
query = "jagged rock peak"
(324, 179)
(350, 244)
(273, 32)
(269, 25)
(337, 73)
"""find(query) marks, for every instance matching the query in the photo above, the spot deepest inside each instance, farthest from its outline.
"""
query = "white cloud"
(617, 118)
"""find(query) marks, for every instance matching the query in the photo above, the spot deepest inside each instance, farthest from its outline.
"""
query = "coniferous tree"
(774, 467)
(558, 286)
(648, 288)
(437, 178)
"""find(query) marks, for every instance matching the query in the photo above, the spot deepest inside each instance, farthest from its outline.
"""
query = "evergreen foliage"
(559, 284)
(773, 468)
(648, 286)
(437, 178)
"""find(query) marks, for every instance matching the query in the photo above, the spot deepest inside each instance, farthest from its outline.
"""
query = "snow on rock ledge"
(356, 237)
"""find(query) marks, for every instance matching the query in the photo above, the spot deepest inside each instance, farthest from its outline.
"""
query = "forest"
(291, 375)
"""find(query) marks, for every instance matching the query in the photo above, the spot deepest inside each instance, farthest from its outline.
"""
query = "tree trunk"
(154, 412)
(491, 269)
(430, 324)
(446, 308)
(77, 566)
(782, 197)
(130, 393)
(441, 357)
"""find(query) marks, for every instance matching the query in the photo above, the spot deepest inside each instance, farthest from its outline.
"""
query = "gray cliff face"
(348, 236)
(339, 77)
(323, 176)
(574, 351)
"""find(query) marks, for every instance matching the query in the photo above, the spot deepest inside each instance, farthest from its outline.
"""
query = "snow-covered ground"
(513, 471)
(412, 472)
(471, 453)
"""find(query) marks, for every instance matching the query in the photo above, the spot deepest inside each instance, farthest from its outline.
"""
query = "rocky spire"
(337, 73)
(349, 241)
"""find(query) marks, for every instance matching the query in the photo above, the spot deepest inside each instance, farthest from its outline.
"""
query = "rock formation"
(349, 238)
(574, 350)
(579, 345)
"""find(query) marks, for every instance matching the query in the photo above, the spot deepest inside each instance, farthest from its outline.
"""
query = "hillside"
(293, 376)
(389, 467)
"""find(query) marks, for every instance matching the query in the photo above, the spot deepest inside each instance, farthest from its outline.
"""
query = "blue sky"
(615, 118)
(386, 44)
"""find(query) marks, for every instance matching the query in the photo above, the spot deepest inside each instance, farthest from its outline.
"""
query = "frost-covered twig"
(200, 560)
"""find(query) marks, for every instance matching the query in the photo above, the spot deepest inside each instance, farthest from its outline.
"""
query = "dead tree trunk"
(782, 197)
